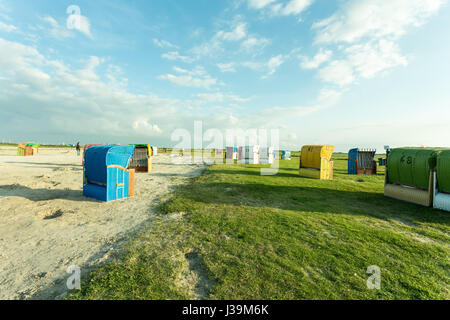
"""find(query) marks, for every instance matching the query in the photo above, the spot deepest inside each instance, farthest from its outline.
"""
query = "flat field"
(234, 234)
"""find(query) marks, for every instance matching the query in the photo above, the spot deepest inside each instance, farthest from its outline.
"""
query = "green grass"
(234, 234)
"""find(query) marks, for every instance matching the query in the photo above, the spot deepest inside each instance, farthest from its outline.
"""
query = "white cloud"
(164, 44)
(175, 55)
(292, 7)
(46, 98)
(211, 97)
(321, 57)
(196, 78)
(259, 4)
(197, 71)
(274, 63)
(295, 7)
(115, 76)
(57, 31)
(219, 97)
(189, 81)
(22, 62)
(143, 126)
(235, 31)
(7, 27)
(237, 98)
(89, 72)
(256, 66)
(253, 43)
(208, 48)
(371, 58)
(180, 70)
(84, 26)
(368, 31)
(61, 31)
(51, 21)
(238, 33)
(227, 67)
(328, 97)
(338, 72)
(214, 46)
(361, 60)
(61, 98)
(270, 67)
(373, 18)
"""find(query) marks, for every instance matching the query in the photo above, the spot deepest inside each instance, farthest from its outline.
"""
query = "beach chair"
(106, 173)
(141, 161)
(362, 161)
(315, 162)
(441, 194)
(410, 175)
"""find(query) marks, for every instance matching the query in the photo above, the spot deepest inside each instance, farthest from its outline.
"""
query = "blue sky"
(364, 73)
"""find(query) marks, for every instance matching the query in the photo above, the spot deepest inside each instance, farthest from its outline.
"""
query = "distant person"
(78, 148)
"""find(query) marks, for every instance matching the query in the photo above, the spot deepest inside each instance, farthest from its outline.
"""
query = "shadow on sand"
(16, 190)
(43, 165)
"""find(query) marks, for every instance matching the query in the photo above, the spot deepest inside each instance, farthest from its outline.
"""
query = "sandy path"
(46, 225)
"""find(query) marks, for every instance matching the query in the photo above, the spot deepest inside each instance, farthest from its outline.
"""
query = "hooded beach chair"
(362, 161)
(410, 175)
(315, 162)
(106, 173)
(141, 161)
(441, 194)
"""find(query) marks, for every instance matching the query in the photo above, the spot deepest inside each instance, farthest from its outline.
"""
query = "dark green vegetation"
(8, 144)
(234, 234)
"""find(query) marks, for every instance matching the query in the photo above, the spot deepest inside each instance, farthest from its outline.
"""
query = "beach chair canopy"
(361, 159)
(87, 146)
(98, 158)
(146, 145)
(411, 166)
(443, 171)
(28, 144)
(311, 155)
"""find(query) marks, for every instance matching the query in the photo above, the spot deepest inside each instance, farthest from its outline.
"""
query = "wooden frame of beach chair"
(408, 193)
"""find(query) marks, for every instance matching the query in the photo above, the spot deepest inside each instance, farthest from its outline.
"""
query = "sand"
(46, 225)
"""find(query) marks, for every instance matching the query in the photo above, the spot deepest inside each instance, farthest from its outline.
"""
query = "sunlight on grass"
(234, 234)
